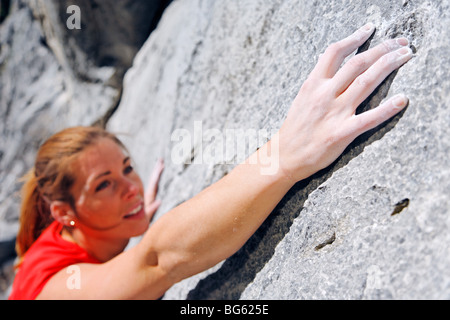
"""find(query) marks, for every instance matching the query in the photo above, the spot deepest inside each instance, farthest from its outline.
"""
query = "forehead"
(101, 156)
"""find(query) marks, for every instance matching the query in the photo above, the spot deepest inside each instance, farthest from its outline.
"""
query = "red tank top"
(49, 254)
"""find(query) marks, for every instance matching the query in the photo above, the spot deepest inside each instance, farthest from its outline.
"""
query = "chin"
(140, 229)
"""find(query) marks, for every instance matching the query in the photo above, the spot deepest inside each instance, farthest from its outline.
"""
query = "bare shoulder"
(124, 277)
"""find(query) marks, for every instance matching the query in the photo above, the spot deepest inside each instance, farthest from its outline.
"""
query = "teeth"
(135, 211)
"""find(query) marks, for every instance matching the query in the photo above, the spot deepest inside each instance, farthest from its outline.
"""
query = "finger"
(152, 186)
(156, 173)
(374, 117)
(335, 54)
(361, 62)
(151, 208)
(367, 82)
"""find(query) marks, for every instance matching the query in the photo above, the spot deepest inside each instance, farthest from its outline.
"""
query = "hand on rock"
(150, 201)
(321, 122)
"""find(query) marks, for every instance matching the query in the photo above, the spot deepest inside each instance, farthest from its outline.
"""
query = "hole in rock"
(400, 206)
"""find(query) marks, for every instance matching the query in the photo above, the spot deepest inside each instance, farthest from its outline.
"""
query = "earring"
(72, 223)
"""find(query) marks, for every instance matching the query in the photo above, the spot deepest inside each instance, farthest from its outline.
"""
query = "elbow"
(175, 267)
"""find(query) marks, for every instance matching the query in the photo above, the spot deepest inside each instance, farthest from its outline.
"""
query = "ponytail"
(34, 214)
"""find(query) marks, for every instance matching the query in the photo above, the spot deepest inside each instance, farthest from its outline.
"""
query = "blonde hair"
(51, 179)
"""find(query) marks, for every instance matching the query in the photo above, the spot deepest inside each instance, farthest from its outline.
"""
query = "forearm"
(218, 221)
(320, 124)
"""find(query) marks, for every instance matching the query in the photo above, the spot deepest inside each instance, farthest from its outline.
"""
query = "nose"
(130, 189)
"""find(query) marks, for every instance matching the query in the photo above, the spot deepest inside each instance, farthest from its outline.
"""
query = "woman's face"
(108, 193)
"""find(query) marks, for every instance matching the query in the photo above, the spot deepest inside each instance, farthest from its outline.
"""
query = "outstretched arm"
(321, 123)
(213, 225)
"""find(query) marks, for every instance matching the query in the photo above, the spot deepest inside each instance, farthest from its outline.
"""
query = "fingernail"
(402, 41)
(405, 51)
(368, 27)
(400, 101)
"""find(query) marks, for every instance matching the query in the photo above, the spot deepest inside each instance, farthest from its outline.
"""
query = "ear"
(62, 212)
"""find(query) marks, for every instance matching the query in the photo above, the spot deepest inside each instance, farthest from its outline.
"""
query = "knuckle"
(334, 49)
(311, 85)
(330, 139)
(388, 62)
(361, 123)
(358, 63)
(389, 45)
(308, 85)
(335, 138)
(385, 61)
(363, 80)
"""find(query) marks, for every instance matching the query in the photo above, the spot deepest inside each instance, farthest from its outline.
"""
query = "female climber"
(83, 201)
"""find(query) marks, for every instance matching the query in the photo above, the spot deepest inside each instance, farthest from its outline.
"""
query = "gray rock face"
(38, 96)
(109, 33)
(52, 77)
(375, 224)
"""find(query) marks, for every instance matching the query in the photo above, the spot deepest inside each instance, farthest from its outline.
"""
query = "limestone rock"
(108, 34)
(37, 98)
(375, 224)
(52, 77)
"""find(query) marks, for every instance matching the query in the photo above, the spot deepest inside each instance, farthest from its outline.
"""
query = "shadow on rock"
(239, 270)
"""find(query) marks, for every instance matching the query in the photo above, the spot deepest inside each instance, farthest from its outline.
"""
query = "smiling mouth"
(135, 212)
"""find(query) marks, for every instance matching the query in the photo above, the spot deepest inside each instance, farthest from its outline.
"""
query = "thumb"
(151, 208)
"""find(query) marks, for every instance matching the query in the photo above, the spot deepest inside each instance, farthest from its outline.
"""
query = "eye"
(128, 169)
(105, 184)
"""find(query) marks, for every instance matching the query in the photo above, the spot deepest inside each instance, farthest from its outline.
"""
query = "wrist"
(268, 164)
(295, 163)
